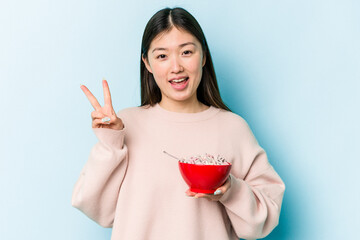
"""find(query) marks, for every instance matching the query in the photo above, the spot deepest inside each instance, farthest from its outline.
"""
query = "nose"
(176, 65)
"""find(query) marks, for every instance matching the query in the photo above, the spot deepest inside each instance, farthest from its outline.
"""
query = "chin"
(180, 96)
(181, 99)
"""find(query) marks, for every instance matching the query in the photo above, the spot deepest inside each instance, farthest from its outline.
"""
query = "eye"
(161, 56)
(187, 52)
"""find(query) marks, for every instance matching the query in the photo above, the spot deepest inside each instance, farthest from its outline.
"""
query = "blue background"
(290, 68)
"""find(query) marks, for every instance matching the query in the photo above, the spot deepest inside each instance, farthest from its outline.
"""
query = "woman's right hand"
(103, 117)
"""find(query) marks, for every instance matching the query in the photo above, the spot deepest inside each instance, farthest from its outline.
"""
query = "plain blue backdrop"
(290, 68)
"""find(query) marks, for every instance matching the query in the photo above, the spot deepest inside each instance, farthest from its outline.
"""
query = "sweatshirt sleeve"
(253, 202)
(96, 191)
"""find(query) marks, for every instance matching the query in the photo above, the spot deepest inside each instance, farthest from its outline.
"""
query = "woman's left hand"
(212, 197)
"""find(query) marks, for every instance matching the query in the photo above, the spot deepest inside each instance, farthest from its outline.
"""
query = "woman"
(130, 185)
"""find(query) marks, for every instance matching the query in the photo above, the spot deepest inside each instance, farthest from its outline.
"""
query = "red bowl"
(204, 178)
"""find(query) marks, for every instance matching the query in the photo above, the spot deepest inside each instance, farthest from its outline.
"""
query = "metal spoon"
(171, 155)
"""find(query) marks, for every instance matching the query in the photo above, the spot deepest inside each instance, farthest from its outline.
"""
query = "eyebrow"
(181, 45)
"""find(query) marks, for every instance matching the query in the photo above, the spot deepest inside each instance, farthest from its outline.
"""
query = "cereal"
(206, 159)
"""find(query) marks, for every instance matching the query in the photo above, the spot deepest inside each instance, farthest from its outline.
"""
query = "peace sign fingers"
(103, 117)
(107, 95)
(91, 98)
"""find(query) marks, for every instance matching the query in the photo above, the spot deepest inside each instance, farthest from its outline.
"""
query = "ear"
(147, 65)
(204, 60)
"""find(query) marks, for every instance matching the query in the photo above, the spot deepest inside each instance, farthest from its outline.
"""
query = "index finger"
(107, 96)
(91, 97)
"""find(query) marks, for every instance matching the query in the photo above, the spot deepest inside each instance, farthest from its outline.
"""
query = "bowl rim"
(216, 165)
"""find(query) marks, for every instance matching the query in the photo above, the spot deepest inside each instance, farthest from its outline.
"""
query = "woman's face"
(176, 59)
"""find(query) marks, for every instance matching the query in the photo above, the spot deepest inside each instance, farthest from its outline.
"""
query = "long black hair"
(163, 21)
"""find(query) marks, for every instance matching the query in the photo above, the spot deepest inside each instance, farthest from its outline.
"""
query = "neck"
(191, 106)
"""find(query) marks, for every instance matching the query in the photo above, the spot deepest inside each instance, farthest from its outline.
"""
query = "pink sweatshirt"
(129, 184)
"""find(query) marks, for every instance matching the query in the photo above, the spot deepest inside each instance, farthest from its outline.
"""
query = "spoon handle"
(171, 155)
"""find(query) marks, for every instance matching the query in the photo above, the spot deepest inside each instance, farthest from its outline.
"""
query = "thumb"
(223, 188)
(218, 191)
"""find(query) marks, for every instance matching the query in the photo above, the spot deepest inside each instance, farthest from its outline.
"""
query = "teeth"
(179, 80)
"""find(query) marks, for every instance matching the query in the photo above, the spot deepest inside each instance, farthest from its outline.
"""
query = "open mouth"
(179, 84)
(179, 81)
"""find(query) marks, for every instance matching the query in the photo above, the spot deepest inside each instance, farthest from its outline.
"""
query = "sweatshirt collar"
(184, 117)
